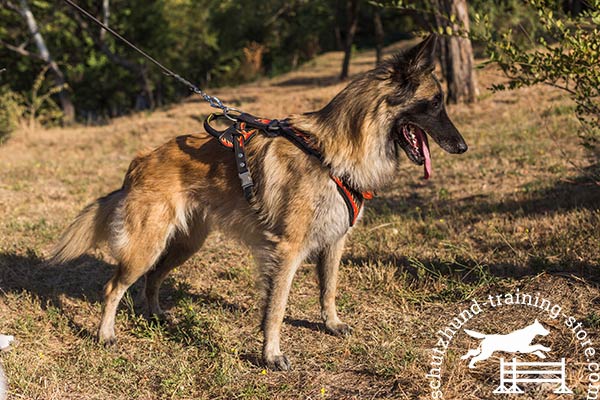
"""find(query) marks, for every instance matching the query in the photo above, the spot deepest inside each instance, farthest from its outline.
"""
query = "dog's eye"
(437, 101)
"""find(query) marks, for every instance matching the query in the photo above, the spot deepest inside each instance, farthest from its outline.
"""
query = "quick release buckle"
(246, 179)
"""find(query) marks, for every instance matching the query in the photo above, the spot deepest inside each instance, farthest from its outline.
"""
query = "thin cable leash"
(212, 100)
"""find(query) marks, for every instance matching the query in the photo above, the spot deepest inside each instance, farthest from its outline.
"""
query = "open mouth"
(413, 140)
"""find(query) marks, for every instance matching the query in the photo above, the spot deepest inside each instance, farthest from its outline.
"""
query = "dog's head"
(415, 98)
(395, 106)
(539, 329)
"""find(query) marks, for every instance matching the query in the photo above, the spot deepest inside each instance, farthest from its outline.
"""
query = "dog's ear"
(421, 58)
(410, 65)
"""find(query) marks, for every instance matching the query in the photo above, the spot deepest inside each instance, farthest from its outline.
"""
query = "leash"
(214, 101)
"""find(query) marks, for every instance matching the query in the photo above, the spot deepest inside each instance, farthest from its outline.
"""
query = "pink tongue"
(424, 146)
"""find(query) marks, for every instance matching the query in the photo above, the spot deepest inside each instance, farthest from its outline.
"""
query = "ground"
(516, 212)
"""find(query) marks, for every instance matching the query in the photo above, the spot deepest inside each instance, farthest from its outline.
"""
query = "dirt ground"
(516, 213)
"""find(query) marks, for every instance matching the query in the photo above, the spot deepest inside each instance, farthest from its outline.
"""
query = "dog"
(518, 341)
(173, 196)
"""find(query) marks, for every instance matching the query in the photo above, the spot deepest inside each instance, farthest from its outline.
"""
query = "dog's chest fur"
(296, 197)
(330, 221)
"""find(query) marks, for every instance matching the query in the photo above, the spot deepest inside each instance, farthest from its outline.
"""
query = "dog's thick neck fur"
(344, 129)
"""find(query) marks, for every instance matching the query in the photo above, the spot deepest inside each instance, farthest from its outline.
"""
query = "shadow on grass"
(302, 323)
(84, 279)
(578, 193)
(461, 275)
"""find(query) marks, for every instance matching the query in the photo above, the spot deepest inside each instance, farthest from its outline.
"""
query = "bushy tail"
(90, 227)
(475, 334)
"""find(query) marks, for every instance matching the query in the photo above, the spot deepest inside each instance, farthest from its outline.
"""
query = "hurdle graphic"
(510, 373)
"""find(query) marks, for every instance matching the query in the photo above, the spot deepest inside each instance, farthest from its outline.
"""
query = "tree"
(146, 97)
(456, 52)
(43, 54)
(379, 35)
(351, 27)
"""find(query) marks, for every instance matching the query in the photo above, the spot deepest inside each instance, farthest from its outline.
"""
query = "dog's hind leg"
(181, 248)
(485, 353)
(278, 269)
(139, 239)
(328, 263)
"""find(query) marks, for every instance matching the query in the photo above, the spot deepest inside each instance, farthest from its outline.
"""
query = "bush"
(17, 110)
(12, 110)
(565, 56)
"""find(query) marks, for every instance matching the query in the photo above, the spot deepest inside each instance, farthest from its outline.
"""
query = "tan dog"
(174, 196)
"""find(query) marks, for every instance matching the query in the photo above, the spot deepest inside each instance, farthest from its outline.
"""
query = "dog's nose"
(462, 147)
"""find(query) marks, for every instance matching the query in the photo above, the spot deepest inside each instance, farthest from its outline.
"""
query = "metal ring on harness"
(226, 111)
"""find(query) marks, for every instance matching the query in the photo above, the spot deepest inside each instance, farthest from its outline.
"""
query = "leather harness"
(246, 126)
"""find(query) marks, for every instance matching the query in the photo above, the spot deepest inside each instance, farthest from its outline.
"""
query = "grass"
(516, 211)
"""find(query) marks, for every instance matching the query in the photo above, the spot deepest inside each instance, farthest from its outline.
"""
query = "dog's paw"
(339, 329)
(277, 363)
(106, 337)
(108, 341)
(162, 317)
(539, 354)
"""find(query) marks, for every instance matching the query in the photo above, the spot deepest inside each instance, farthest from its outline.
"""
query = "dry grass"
(512, 212)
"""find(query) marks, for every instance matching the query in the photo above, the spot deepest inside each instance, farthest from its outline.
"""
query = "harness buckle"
(246, 179)
(272, 128)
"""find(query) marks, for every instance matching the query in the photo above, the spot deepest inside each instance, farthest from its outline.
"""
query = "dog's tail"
(89, 228)
(476, 335)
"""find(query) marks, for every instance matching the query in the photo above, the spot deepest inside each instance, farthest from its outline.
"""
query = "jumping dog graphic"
(518, 341)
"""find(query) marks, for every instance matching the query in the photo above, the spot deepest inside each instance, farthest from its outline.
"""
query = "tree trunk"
(379, 35)
(338, 37)
(352, 25)
(59, 78)
(105, 17)
(456, 53)
(574, 7)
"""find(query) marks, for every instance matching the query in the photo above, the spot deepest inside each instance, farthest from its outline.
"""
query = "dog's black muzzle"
(443, 131)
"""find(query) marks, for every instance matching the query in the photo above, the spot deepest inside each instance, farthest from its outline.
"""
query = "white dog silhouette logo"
(518, 341)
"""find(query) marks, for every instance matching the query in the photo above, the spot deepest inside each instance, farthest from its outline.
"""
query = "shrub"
(12, 110)
(566, 56)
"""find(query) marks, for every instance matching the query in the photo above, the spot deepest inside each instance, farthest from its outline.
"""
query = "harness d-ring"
(231, 118)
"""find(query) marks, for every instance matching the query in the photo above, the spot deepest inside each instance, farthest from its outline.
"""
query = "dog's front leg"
(328, 264)
(278, 277)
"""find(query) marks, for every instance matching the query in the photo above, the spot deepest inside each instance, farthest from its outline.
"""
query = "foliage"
(11, 111)
(208, 42)
(566, 56)
(39, 105)
(503, 15)
(29, 109)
